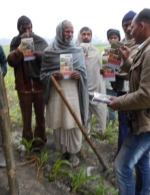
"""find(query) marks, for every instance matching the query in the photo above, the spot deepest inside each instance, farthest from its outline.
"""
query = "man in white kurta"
(95, 80)
(67, 135)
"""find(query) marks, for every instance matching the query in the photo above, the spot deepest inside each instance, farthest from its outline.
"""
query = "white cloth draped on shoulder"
(95, 84)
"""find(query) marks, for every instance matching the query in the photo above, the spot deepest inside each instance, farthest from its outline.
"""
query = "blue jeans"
(123, 125)
(134, 152)
(112, 114)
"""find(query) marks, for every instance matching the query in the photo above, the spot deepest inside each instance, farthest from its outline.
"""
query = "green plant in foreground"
(92, 133)
(110, 134)
(57, 170)
(93, 122)
(28, 145)
(80, 178)
(37, 162)
(102, 190)
(43, 157)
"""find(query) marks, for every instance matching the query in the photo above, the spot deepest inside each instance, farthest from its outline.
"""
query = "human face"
(113, 37)
(86, 36)
(67, 34)
(137, 31)
(127, 28)
(25, 28)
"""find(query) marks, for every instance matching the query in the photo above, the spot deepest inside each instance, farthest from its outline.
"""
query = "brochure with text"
(28, 49)
(109, 72)
(86, 48)
(66, 65)
(114, 59)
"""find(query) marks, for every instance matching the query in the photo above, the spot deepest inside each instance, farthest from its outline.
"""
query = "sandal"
(74, 160)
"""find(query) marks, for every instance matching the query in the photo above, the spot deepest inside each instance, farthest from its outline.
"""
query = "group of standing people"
(121, 85)
(34, 87)
(135, 148)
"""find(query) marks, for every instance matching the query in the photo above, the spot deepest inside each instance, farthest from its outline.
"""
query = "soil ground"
(26, 174)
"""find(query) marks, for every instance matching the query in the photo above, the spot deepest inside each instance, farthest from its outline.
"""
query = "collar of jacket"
(140, 47)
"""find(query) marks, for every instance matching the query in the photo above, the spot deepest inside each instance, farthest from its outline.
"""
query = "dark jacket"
(27, 73)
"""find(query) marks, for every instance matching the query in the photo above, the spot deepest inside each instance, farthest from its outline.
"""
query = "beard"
(68, 39)
(86, 40)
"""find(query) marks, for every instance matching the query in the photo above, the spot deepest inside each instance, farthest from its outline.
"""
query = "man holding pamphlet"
(109, 72)
(65, 61)
(136, 146)
(95, 80)
(122, 77)
(25, 57)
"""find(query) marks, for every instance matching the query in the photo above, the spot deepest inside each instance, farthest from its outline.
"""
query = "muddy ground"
(30, 185)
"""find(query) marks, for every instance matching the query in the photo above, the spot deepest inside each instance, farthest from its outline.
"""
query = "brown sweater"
(27, 74)
(23, 81)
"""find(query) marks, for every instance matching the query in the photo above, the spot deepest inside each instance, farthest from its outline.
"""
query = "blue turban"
(128, 16)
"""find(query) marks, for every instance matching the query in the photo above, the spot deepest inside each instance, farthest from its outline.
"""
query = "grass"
(6, 49)
(100, 48)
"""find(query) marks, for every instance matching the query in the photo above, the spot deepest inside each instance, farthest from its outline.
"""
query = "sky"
(99, 15)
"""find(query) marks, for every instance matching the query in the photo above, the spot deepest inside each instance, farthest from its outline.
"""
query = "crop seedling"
(57, 170)
(109, 135)
(37, 162)
(79, 178)
(28, 145)
(102, 190)
(43, 157)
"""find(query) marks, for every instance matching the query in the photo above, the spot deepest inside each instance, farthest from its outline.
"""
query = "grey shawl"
(51, 64)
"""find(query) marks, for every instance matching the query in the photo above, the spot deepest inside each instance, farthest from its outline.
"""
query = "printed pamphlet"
(100, 97)
(28, 49)
(66, 65)
(86, 48)
(114, 59)
(109, 72)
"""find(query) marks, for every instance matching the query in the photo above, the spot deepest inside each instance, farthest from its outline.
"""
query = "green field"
(6, 49)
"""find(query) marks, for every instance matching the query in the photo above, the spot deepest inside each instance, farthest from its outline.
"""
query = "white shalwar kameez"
(67, 135)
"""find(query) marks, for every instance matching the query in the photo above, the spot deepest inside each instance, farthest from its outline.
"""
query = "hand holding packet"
(104, 98)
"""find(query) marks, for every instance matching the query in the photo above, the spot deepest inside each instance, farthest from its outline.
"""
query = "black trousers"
(27, 100)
